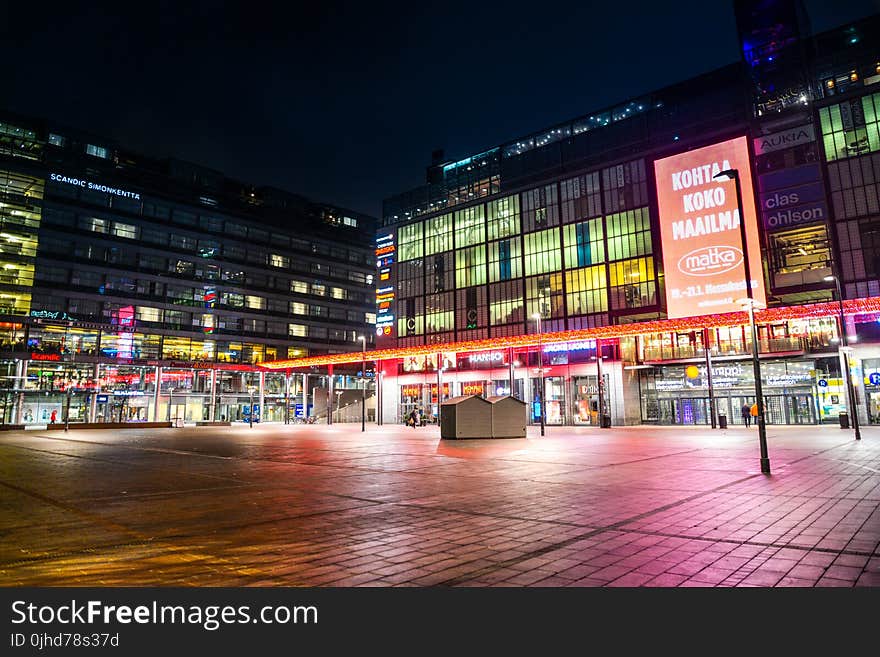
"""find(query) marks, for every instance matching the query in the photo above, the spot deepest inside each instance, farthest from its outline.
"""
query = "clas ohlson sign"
(89, 184)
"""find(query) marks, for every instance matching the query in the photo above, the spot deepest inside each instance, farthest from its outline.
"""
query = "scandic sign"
(700, 232)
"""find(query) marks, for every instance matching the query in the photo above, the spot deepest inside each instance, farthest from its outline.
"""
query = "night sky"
(344, 103)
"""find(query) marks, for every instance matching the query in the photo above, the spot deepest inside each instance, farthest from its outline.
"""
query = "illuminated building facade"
(585, 226)
(118, 271)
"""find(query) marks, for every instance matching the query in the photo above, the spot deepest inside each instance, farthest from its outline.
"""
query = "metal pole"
(170, 400)
(251, 411)
(510, 370)
(379, 393)
(287, 397)
(847, 374)
(67, 411)
(709, 376)
(542, 392)
(756, 363)
(363, 383)
(439, 385)
(600, 383)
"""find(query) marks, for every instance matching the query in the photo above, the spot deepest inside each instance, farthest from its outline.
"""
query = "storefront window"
(851, 128)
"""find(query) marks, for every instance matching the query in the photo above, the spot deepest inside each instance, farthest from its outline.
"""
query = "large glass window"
(800, 256)
(586, 290)
(629, 234)
(505, 259)
(504, 217)
(540, 208)
(632, 283)
(583, 244)
(469, 227)
(409, 242)
(506, 303)
(544, 296)
(625, 186)
(542, 251)
(581, 197)
(470, 266)
(440, 273)
(851, 128)
(438, 312)
(438, 234)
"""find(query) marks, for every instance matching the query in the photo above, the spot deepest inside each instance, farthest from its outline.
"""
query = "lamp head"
(727, 174)
(829, 278)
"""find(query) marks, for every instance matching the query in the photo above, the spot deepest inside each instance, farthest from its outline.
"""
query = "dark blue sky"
(344, 103)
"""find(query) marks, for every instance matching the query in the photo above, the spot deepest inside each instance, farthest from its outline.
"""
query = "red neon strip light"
(867, 305)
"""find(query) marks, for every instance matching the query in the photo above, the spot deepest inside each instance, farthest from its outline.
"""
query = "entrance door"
(775, 409)
(691, 411)
(800, 409)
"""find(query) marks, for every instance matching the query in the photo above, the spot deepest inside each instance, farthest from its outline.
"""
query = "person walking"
(746, 414)
(413, 418)
(53, 417)
(753, 411)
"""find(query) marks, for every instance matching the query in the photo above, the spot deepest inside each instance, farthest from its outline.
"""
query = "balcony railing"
(728, 348)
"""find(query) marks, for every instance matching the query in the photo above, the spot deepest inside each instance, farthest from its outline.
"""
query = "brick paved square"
(307, 505)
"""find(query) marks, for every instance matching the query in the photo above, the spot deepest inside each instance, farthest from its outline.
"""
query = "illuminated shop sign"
(778, 141)
(581, 345)
(88, 184)
(472, 388)
(700, 230)
(792, 197)
(52, 357)
(56, 315)
(487, 357)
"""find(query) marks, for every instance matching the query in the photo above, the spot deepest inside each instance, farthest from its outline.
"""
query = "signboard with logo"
(778, 141)
(791, 197)
(700, 230)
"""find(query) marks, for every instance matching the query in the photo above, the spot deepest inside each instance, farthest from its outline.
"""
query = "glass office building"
(135, 289)
(562, 229)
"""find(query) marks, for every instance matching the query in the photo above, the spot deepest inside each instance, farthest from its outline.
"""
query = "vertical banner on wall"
(700, 230)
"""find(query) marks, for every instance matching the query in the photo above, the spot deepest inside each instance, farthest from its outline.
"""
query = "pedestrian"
(746, 413)
(53, 417)
(753, 411)
(413, 418)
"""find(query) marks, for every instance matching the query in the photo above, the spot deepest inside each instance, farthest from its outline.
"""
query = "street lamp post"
(251, 408)
(338, 395)
(170, 402)
(843, 342)
(537, 318)
(363, 340)
(756, 363)
(67, 409)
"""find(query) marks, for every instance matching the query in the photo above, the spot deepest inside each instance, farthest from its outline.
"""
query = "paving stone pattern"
(329, 506)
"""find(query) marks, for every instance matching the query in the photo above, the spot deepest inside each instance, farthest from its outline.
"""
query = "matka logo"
(710, 260)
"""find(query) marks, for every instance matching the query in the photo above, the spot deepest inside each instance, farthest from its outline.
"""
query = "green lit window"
(632, 283)
(506, 303)
(544, 296)
(542, 251)
(851, 128)
(505, 259)
(469, 227)
(504, 217)
(438, 234)
(470, 266)
(583, 244)
(438, 313)
(629, 234)
(409, 242)
(586, 290)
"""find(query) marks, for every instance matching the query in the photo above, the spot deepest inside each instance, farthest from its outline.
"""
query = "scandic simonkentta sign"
(700, 230)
